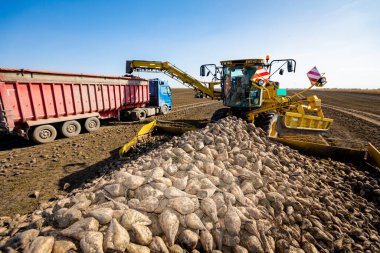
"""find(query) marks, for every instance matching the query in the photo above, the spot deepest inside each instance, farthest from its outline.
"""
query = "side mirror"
(128, 68)
(281, 72)
(290, 66)
(203, 71)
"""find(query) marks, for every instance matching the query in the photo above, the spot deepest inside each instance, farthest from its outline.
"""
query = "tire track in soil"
(348, 127)
(191, 106)
(369, 117)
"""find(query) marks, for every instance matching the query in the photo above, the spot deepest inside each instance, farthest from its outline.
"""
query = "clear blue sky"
(342, 38)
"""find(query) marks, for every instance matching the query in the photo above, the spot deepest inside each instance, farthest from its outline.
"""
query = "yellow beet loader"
(248, 92)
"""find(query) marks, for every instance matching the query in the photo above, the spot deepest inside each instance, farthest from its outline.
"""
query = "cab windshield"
(238, 89)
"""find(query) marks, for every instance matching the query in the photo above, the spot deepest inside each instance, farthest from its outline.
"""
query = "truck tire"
(91, 124)
(139, 114)
(44, 134)
(70, 128)
(164, 109)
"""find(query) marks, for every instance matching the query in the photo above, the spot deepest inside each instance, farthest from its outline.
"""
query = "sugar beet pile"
(225, 187)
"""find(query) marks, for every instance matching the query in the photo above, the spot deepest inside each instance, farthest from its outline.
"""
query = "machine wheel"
(70, 128)
(44, 134)
(164, 109)
(139, 115)
(220, 114)
(266, 121)
(92, 124)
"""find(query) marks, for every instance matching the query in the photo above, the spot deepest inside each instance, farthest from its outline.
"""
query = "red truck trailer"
(38, 104)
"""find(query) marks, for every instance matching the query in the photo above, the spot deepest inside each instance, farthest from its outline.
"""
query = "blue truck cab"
(160, 95)
(160, 101)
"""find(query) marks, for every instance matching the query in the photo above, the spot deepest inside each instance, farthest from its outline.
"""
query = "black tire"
(91, 124)
(139, 115)
(164, 109)
(265, 121)
(70, 128)
(44, 134)
(220, 114)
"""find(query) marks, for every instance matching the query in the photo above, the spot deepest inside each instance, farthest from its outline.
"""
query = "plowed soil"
(352, 127)
(362, 101)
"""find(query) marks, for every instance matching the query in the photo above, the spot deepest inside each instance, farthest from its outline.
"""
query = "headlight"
(322, 81)
(260, 82)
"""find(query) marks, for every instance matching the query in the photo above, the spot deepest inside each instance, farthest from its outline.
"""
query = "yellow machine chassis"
(308, 122)
(296, 112)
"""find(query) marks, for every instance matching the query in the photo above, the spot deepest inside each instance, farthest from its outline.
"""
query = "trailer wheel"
(139, 115)
(44, 134)
(92, 124)
(70, 128)
(164, 109)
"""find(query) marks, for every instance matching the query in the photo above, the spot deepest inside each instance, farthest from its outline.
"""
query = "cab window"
(238, 88)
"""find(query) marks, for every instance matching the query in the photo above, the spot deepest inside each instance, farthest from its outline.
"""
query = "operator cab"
(237, 88)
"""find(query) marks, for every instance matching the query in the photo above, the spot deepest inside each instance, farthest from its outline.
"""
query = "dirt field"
(25, 168)
(362, 101)
(363, 122)
(57, 168)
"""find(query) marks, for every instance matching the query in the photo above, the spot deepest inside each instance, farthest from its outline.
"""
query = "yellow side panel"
(127, 147)
(146, 129)
(373, 155)
(297, 120)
